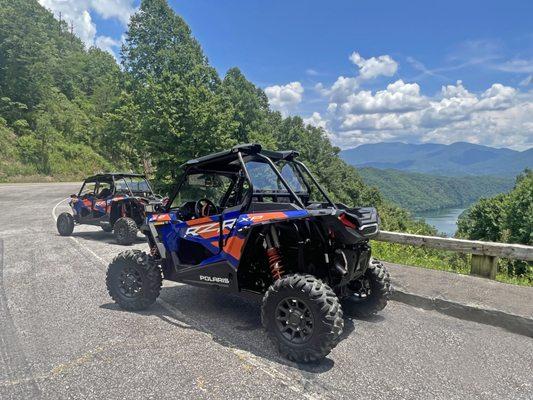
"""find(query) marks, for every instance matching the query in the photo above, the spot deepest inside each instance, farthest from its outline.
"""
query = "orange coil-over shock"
(275, 261)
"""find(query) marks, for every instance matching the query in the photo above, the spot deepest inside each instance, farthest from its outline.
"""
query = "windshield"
(289, 172)
(136, 184)
(87, 188)
(209, 186)
(265, 179)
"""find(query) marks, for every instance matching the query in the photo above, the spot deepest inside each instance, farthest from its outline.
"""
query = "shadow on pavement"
(230, 320)
(101, 236)
(373, 319)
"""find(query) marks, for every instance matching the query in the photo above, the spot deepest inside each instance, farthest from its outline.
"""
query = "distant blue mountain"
(456, 159)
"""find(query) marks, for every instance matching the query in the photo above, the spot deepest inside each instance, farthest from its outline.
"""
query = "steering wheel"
(204, 208)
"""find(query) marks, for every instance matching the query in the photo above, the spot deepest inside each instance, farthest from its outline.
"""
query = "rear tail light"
(346, 222)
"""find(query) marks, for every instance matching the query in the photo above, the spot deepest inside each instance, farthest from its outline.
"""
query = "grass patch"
(443, 261)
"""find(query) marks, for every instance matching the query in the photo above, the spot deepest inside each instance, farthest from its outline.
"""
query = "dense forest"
(67, 111)
(420, 192)
(54, 96)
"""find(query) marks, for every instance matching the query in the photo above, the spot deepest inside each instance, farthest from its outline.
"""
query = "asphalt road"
(61, 337)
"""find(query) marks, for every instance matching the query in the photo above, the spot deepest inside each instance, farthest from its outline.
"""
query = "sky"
(366, 71)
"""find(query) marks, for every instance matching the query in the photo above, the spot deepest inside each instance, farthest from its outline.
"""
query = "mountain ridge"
(423, 192)
(456, 159)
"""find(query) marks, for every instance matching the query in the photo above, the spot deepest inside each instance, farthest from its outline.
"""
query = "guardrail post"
(485, 266)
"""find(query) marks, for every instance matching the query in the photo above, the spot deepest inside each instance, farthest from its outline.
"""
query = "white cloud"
(375, 66)
(419, 66)
(284, 97)
(528, 80)
(108, 44)
(498, 116)
(511, 127)
(75, 13)
(497, 97)
(398, 96)
(316, 120)
(458, 104)
(341, 89)
(332, 107)
(78, 13)
(368, 69)
(457, 90)
(355, 137)
(119, 9)
(517, 66)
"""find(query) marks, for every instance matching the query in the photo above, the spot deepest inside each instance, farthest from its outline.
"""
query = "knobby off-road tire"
(133, 280)
(320, 326)
(125, 231)
(65, 224)
(380, 290)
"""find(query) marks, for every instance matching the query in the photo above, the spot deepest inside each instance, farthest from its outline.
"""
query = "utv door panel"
(199, 240)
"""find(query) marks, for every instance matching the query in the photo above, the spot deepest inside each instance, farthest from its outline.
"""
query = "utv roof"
(113, 174)
(250, 149)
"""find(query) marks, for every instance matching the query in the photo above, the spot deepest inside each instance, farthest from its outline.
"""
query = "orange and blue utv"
(254, 222)
(113, 201)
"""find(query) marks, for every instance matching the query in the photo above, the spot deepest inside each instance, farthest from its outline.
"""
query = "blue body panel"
(206, 231)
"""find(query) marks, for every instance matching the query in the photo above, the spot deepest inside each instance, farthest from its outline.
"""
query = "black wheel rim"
(130, 282)
(294, 320)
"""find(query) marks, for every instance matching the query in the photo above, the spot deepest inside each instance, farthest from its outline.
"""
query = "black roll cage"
(113, 177)
(252, 152)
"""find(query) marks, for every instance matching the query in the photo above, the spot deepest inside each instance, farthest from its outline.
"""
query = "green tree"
(251, 109)
(507, 218)
(159, 41)
(484, 220)
(175, 107)
(519, 210)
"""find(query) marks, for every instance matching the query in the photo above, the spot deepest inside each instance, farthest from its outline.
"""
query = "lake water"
(444, 220)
